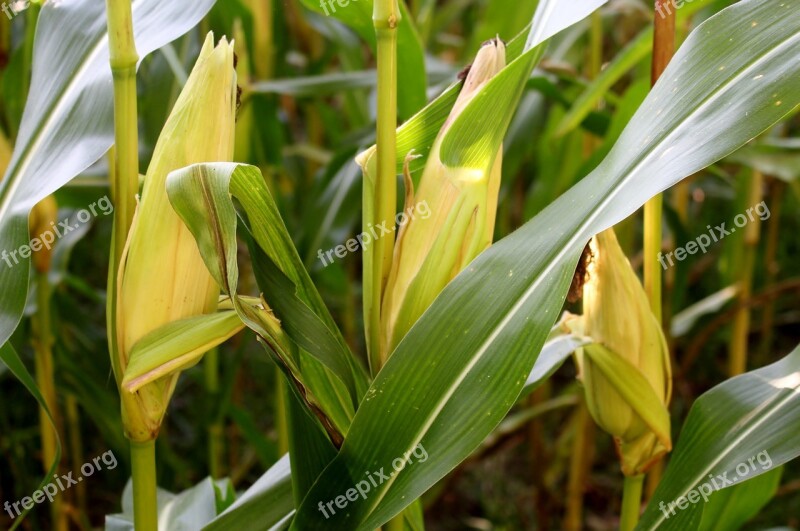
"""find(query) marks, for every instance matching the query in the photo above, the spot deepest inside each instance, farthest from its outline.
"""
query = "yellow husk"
(162, 276)
(462, 205)
(618, 316)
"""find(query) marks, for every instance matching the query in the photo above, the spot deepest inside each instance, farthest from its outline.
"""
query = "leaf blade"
(726, 426)
(456, 353)
(71, 82)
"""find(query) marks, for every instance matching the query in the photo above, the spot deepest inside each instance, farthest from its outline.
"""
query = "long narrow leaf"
(201, 195)
(738, 430)
(461, 367)
(10, 358)
(68, 120)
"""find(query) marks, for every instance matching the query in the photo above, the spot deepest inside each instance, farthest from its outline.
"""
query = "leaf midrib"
(726, 450)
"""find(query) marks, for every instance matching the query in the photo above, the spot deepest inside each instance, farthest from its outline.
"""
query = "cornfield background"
(529, 456)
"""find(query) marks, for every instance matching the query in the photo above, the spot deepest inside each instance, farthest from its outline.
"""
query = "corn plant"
(497, 221)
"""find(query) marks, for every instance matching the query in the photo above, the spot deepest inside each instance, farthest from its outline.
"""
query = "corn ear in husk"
(162, 277)
(461, 205)
(626, 372)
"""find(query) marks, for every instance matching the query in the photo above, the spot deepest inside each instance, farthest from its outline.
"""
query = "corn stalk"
(43, 352)
(772, 266)
(123, 58)
(386, 16)
(737, 361)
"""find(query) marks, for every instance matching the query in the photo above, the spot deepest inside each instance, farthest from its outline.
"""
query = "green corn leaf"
(419, 132)
(553, 16)
(201, 195)
(738, 430)
(731, 508)
(177, 346)
(636, 51)
(308, 440)
(477, 133)
(774, 157)
(683, 321)
(10, 358)
(68, 120)
(553, 356)
(326, 84)
(461, 367)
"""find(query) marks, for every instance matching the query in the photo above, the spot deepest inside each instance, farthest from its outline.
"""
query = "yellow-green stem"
(216, 447)
(653, 287)
(681, 199)
(123, 60)
(386, 17)
(263, 38)
(631, 502)
(580, 464)
(663, 48)
(771, 264)
(737, 360)
(143, 467)
(45, 379)
(652, 246)
(76, 457)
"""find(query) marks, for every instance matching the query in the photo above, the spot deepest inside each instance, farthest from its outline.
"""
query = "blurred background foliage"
(307, 108)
